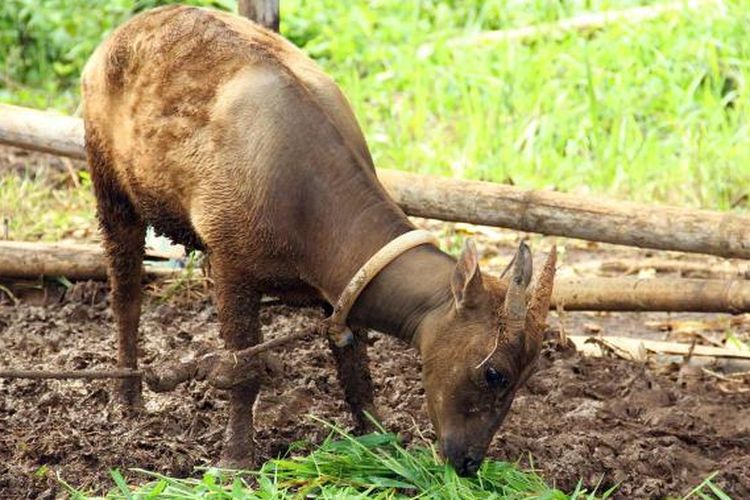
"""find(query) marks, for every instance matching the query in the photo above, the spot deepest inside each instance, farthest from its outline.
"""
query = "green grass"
(653, 111)
(707, 490)
(45, 45)
(41, 206)
(639, 111)
(372, 466)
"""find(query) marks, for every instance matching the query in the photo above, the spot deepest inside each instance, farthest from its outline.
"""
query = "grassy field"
(651, 111)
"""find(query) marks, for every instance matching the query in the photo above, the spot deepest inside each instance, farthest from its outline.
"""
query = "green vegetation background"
(651, 111)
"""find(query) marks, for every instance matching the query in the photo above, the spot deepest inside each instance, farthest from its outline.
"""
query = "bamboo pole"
(663, 294)
(624, 223)
(41, 131)
(30, 260)
(649, 226)
(691, 269)
(583, 23)
(82, 262)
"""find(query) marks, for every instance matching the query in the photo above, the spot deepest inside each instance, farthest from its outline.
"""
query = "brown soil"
(656, 428)
(605, 420)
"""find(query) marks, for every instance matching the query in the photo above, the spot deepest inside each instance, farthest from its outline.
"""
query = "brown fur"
(225, 137)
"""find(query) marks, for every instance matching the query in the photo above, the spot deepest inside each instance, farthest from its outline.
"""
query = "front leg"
(238, 304)
(353, 371)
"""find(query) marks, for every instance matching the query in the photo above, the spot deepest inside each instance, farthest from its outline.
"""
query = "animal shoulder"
(176, 44)
(197, 66)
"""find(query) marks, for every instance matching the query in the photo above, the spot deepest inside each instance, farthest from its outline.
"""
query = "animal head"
(480, 349)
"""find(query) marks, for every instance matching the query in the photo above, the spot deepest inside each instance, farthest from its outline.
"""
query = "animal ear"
(467, 279)
(520, 271)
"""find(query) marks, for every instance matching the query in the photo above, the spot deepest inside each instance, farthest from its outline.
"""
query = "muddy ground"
(654, 430)
(657, 428)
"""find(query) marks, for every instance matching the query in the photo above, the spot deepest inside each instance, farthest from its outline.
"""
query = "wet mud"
(654, 430)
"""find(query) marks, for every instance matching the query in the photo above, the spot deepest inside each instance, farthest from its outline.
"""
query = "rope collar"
(337, 328)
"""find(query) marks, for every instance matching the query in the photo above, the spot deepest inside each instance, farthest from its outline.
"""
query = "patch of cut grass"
(371, 466)
(707, 490)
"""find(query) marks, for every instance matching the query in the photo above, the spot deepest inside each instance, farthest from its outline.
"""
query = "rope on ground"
(223, 369)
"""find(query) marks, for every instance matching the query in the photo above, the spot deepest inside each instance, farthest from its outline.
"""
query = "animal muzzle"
(465, 460)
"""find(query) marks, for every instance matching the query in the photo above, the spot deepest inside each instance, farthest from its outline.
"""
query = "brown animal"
(226, 138)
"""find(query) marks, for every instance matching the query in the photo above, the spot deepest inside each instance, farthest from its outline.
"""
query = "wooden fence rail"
(82, 262)
(649, 226)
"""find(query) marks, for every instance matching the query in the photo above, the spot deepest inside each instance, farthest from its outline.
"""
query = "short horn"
(514, 309)
(536, 315)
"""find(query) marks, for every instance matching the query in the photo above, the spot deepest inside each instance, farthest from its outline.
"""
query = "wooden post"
(263, 12)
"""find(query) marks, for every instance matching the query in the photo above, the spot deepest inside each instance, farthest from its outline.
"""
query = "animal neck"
(400, 297)
(347, 218)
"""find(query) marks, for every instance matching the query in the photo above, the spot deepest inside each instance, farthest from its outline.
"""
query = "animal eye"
(495, 378)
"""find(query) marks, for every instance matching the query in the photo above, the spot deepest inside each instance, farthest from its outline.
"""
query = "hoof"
(129, 393)
(128, 410)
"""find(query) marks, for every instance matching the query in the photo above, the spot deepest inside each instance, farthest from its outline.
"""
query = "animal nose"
(469, 467)
(465, 462)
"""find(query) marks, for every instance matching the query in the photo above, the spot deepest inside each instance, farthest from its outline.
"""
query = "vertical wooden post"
(263, 12)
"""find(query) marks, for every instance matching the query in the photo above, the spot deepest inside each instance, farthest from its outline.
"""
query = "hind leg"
(238, 305)
(124, 248)
(123, 236)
